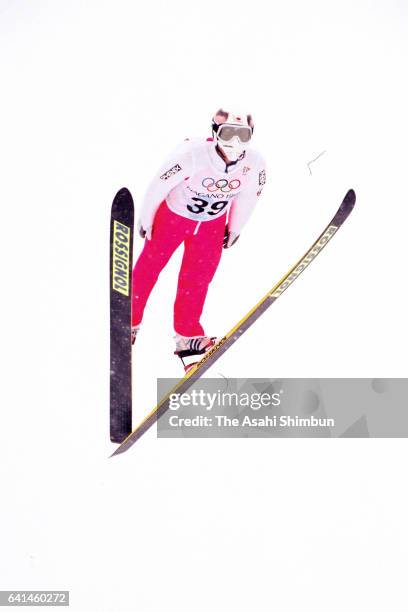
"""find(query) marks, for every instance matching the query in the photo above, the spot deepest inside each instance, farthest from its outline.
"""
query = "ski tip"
(123, 193)
(122, 201)
(348, 202)
(345, 209)
(350, 198)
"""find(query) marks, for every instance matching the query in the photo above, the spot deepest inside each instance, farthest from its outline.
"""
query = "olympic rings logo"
(222, 184)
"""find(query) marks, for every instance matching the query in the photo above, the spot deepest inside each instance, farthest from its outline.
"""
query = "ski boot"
(191, 349)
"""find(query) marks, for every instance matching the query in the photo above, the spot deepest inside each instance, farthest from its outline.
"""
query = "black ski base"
(121, 257)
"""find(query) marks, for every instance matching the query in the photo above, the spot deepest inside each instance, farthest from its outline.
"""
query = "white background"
(93, 96)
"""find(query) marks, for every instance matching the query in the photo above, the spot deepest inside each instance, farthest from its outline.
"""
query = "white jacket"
(195, 183)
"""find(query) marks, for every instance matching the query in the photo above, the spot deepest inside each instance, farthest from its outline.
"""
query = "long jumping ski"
(236, 332)
(121, 253)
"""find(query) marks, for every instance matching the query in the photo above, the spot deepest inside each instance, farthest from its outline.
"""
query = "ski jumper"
(189, 201)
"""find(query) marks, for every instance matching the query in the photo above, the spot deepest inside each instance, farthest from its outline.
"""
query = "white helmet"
(232, 133)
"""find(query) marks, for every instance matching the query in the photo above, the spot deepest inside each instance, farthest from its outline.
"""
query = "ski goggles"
(227, 132)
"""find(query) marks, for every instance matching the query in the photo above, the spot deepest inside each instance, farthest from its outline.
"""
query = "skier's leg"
(202, 254)
(168, 233)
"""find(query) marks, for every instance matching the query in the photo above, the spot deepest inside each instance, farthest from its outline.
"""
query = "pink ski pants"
(202, 254)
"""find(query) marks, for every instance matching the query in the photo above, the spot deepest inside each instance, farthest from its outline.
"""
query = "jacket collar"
(219, 164)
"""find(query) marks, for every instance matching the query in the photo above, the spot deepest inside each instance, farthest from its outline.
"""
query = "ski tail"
(120, 289)
(236, 332)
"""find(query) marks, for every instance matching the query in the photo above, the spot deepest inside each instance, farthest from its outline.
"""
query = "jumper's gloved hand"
(230, 238)
(144, 232)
